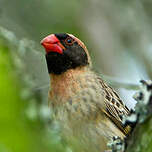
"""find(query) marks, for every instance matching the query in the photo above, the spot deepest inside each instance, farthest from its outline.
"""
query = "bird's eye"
(69, 41)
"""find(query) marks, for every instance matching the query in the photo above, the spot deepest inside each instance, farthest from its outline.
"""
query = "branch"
(140, 120)
(141, 137)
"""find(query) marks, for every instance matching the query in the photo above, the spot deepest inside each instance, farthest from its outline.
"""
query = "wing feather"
(114, 107)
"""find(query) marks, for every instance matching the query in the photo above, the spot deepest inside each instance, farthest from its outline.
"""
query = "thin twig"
(117, 84)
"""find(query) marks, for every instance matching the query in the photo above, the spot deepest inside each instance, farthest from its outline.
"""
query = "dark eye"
(69, 41)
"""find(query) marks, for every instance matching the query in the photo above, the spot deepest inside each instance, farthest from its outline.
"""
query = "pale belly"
(84, 134)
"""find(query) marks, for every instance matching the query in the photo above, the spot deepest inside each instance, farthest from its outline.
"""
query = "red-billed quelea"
(89, 111)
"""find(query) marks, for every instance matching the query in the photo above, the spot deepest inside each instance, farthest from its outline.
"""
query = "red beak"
(52, 44)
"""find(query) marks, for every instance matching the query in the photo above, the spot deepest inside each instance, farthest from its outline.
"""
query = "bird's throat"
(66, 85)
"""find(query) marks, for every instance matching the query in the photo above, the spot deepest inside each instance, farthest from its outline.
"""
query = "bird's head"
(64, 52)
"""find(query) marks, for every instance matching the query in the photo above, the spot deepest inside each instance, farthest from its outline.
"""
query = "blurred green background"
(117, 33)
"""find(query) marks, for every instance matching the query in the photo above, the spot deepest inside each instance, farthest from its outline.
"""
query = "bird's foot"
(116, 144)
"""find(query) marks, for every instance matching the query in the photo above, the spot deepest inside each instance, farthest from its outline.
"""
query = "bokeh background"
(117, 33)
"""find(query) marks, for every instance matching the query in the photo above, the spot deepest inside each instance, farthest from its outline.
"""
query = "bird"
(88, 110)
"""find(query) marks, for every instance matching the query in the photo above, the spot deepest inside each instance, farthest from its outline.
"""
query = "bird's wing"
(114, 107)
